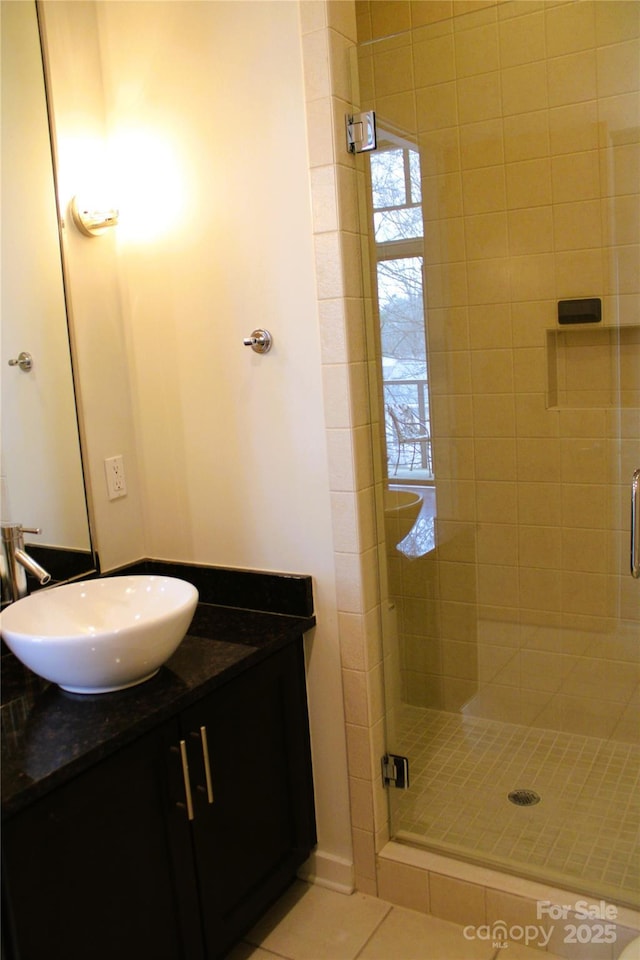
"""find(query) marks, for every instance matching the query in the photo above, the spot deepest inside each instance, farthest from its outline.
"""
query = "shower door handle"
(635, 525)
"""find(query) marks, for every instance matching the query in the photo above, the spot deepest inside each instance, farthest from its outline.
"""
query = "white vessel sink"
(97, 636)
(402, 504)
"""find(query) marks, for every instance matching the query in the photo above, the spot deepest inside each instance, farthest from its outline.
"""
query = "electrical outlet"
(116, 483)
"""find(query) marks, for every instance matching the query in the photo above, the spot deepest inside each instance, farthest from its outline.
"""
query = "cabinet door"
(256, 824)
(89, 872)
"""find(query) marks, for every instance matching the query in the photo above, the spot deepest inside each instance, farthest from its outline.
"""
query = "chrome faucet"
(15, 562)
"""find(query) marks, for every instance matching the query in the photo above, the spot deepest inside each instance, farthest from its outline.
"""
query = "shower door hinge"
(395, 771)
(361, 131)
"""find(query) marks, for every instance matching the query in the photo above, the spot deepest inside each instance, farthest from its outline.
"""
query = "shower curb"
(480, 897)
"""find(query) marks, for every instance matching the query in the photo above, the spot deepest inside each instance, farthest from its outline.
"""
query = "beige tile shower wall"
(328, 37)
(526, 116)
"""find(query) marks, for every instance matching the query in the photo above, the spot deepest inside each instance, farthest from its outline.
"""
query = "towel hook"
(260, 341)
(24, 360)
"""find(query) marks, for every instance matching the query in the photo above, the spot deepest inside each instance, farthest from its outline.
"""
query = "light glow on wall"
(83, 171)
(148, 183)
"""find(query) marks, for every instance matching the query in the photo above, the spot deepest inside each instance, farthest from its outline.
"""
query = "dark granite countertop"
(49, 736)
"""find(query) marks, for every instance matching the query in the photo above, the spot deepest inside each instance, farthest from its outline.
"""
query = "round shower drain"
(524, 798)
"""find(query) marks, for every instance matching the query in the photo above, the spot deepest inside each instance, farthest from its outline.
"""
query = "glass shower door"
(503, 185)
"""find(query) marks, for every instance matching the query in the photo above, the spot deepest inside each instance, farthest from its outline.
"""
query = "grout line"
(258, 946)
(574, 829)
(375, 929)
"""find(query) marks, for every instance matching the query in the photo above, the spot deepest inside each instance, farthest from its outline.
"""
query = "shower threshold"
(479, 895)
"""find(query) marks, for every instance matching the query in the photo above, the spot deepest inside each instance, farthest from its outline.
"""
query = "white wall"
(233, 450)
(224, 449)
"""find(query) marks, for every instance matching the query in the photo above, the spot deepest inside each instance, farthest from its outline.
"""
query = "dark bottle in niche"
(588, 310)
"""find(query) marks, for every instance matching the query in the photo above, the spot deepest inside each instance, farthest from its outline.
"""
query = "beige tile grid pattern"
(526, 116)
(311, 923)
(328, 41)
(328, 36)
(582, 835)
(575, 680)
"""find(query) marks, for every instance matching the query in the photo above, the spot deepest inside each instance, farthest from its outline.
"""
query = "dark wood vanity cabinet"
(119, 862)
(87, 869)
(257, 827)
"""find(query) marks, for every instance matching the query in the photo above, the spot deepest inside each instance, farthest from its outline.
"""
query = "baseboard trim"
(327, 870)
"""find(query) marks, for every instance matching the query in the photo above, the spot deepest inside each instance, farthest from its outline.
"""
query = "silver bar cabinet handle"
(635, 524)
(207, 765)
(185, 777)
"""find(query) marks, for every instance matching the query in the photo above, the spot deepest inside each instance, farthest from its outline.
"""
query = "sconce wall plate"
(92, 222)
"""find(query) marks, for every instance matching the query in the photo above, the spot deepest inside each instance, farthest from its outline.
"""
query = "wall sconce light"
(90, 221)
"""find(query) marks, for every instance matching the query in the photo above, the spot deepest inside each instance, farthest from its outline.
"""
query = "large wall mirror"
(40, 456)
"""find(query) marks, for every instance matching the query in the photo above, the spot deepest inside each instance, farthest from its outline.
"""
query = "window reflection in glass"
(398, 230)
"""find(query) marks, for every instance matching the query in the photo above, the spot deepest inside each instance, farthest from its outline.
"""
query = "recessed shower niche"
(593, 368)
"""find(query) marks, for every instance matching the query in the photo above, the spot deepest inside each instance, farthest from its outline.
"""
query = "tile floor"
(312, 923)
(584, 831)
